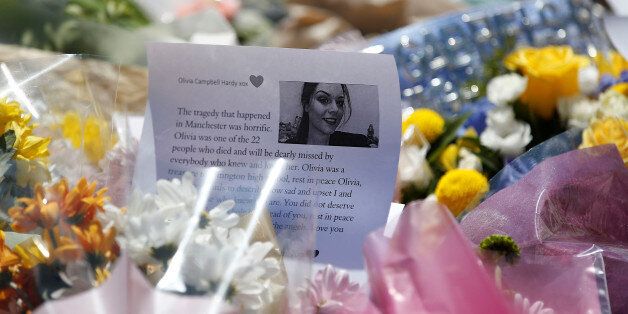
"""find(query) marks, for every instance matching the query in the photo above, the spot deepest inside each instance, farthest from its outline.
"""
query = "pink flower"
(332, 292)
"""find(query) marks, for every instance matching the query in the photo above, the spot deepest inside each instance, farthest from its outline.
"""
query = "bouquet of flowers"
(436, 158)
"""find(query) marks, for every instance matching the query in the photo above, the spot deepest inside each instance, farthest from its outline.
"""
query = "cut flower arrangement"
(536, 93)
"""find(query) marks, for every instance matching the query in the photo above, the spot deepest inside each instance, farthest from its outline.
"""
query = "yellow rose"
(612, 65)
(552, 73)
(608, 131)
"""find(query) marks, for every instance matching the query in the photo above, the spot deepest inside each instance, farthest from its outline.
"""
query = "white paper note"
(242, 108)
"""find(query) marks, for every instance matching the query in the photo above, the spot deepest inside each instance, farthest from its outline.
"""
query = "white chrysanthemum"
(70, 163)
(613, 104)
(251, 288)
(504, 133)
(177, 194)
(504, 89)
(588, 78)
(413, 167)
(469, 160)
(525, 306)
(577, 111)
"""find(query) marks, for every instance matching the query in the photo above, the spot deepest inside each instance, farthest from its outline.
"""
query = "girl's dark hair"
(306, 96)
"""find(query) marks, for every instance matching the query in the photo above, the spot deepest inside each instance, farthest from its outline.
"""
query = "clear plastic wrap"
(565, 205)
(60, 155)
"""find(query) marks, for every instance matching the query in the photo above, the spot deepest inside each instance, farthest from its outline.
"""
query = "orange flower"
(80, 204)
(34, 212)
(62, 248)
(94, 239)
(100, 247)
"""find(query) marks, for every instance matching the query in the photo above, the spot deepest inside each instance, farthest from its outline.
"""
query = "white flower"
(219, 216)
(577, 111)
(504, 133)
(504, 89)
(251, 288)
(70, 163)
(524, 306)
(469, 160)
(613, 104)
(588, 78)
(177, 194)
(413, 168)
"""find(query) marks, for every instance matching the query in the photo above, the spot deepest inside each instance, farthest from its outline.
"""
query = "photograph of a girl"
(332, 114)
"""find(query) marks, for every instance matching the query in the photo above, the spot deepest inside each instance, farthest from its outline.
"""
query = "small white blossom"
(613, 104)
(577, 111)
(588, 78)
(504, 89)
(504, 133)
(469, 160)
(413, 167)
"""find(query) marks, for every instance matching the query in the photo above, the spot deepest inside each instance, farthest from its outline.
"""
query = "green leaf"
(449, 135)
(7, 140)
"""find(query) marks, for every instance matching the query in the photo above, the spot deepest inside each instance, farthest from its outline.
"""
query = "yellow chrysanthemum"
(428, 121)
(10, 112)
(460, 189)
(92, 135)
(552, 73)
(449, 158)
(608, 130)
(31, 151)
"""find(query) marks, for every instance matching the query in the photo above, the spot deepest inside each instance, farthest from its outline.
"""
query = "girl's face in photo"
(327, 107)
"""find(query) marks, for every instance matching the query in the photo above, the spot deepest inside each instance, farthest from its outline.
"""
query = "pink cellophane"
(429, 267)
(564, 206)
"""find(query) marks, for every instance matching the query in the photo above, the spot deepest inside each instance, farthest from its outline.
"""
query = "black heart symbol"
(256, 80)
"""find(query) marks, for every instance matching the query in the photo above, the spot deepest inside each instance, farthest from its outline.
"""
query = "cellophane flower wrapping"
(428, 266)
(58, 143)
(569, 205)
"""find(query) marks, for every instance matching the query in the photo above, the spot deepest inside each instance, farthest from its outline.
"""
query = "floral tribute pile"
(536, 94)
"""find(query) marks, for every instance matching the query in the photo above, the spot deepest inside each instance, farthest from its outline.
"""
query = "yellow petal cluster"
(31, 151)
(608, 130)
(428, 121)
(92, 135)
(460, 189)
(612, 65)
(621, 88)
(449, 158)
(552, 73)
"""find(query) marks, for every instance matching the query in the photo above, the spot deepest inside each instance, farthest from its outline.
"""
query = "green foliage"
(123, 13)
